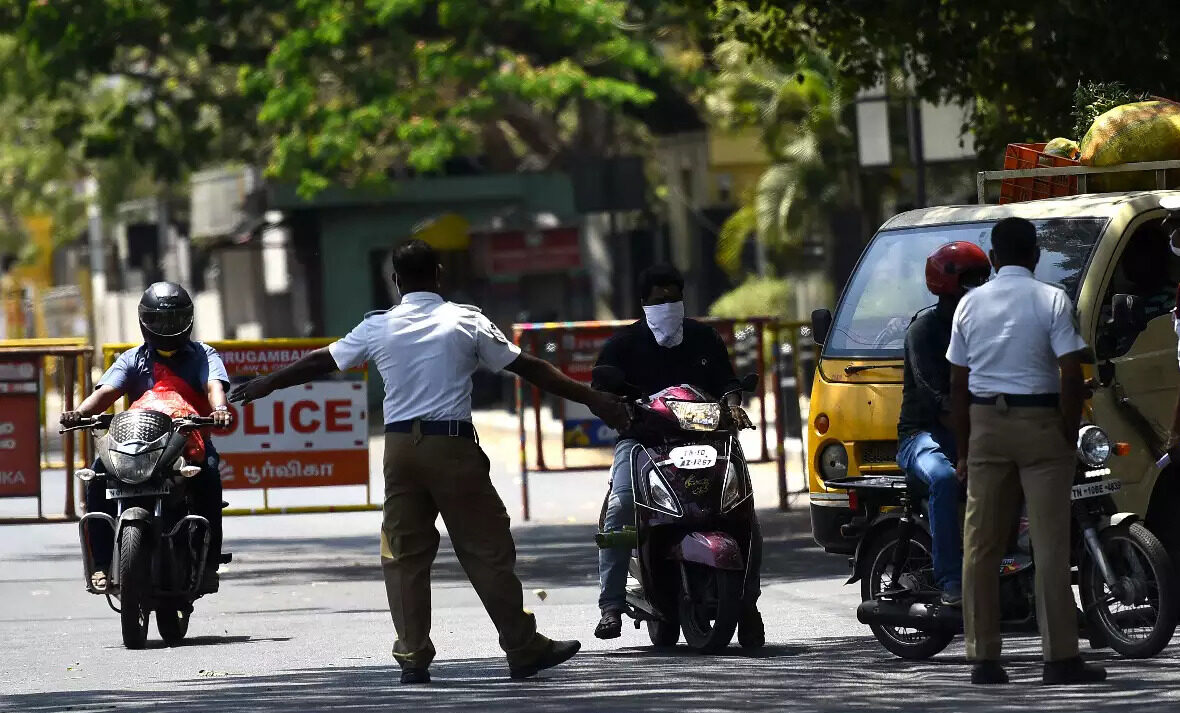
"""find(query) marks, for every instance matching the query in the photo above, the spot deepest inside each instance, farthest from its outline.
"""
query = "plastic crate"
(1024, 156)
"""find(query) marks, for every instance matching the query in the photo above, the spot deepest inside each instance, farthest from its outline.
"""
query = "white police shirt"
(426, 350)
(1010, 331)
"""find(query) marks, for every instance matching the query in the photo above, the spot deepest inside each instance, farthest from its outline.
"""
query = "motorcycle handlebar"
(88, 422)
(104, 421)
(193, 422)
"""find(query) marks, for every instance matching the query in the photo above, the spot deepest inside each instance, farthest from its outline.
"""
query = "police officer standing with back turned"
(426, 349)
(1016, 394)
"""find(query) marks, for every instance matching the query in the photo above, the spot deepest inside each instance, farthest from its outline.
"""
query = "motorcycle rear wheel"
(709, 612)
(907, 643)
(172, 625)
(134, 584)
(1140, 560)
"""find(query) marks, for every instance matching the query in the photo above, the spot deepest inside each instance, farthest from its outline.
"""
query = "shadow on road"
(198, 641)
(837, 674)
(547, 556)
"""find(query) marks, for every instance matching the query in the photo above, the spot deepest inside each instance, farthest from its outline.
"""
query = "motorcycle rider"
(166, 323)
(926, 446)
(664, 349)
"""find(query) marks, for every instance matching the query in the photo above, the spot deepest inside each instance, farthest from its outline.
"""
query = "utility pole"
(917, 151)
(97, 249)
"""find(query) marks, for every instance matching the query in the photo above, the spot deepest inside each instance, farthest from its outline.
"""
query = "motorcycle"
(160, 545)
(694, 515)
(1125, 577)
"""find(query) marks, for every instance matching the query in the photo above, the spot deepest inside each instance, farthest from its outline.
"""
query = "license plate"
(134, 491)
(1093, 490)
(693, 457)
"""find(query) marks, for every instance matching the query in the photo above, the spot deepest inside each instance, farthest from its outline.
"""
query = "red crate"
(1023, 156)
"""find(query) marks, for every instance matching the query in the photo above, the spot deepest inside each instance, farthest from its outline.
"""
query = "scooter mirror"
(610, 378)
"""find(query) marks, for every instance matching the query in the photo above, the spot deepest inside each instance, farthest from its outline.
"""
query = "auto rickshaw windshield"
(889, 285)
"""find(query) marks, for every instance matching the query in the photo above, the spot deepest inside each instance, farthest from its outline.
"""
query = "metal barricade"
(39, 378)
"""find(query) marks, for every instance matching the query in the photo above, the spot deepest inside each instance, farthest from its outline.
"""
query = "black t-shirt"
(700, 360)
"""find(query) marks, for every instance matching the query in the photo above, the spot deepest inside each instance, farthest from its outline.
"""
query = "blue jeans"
(924, 457)
(620, 512)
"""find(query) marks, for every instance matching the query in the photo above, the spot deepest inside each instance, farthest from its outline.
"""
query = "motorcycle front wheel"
(917, 574)
(1137, 615)
(134, 584)
(710, 609)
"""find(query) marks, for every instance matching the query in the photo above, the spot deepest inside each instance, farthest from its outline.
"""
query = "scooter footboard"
(712, 549)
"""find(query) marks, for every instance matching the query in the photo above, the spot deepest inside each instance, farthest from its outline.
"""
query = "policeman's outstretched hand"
(611, 409)
(254, 389)
(740, 418)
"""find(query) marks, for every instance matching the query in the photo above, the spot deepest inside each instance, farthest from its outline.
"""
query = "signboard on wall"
(521, 252)
(311, 435)
(20, 429)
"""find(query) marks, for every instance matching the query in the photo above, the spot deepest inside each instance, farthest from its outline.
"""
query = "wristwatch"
(222, 408)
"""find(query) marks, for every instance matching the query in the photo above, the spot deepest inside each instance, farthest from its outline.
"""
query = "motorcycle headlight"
(734, 489)
(132, 470)
(833, 461)
(695, 416)
(1094, 446)
(661, 496)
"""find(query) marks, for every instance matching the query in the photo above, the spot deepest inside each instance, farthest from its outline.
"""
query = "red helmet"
(946, 266)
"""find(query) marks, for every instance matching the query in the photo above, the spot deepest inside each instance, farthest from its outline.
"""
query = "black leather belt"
(456, 429)
(1019, 400)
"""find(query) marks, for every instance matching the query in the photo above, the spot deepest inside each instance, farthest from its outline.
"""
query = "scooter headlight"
(732, 492)
(661, 496)
(694, 416)
(1094, 446)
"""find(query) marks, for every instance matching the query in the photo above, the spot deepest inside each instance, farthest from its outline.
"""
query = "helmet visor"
(166, 322)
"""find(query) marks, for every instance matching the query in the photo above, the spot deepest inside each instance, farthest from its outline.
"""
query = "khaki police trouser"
(1012, 450)
(426, 476)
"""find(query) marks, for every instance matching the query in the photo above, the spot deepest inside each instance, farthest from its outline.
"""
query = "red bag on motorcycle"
(176, 398)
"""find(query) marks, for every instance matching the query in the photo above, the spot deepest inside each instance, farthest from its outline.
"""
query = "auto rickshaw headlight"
(1094, 446)
(833, 461)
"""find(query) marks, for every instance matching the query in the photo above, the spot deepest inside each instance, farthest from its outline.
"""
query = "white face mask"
(666, 322)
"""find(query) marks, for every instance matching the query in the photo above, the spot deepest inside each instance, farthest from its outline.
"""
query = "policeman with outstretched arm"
(426, 349)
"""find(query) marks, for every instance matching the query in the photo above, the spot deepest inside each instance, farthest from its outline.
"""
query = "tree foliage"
(355, 91)
(38, 173)
(1017, 62)
(798, 112)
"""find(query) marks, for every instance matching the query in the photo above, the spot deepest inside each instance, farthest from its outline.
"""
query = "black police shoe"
(415, 675)
(988, 673)
(558, 653)
(1072, 671)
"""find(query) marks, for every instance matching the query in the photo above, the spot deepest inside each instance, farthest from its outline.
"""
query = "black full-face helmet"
(166, 316)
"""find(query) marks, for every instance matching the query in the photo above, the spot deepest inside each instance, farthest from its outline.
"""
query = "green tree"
(798, 111)
(39, 174)
(1017, 62)
(355, 91)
